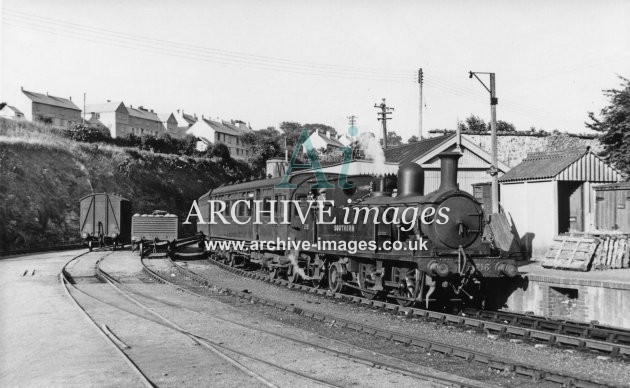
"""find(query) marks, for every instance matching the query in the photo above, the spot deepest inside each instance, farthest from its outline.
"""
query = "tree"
(413, 139)
(262, 145)
(222, 151)
(504, 126)
(475, 124)
(393, 139)
(614, 124)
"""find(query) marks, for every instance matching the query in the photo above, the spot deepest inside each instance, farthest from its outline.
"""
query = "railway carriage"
(440, 262)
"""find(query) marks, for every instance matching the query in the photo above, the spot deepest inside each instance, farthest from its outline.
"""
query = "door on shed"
(623, 210)
(570, 207)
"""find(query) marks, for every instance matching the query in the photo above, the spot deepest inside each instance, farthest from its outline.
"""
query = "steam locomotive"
(452, 256)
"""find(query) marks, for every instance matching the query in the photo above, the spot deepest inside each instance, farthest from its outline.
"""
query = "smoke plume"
(372, 149)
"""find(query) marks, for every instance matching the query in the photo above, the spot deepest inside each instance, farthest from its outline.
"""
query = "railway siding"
(549, 357)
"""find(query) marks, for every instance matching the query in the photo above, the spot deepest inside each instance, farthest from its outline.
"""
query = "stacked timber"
(613, 252)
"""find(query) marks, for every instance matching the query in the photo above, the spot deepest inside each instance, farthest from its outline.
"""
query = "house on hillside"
(10, 112)
(552, 192)
(122, 120)
(214, 132)
(58, 112)
(320, 141)
(177, 123)
(473, 165)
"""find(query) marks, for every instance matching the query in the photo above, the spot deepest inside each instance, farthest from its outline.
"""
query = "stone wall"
(513, 149)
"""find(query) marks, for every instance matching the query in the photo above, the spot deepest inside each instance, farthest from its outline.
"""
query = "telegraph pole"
(420, 82)
(494, 170)
(352, 120)
(83, 121)
(385, 110)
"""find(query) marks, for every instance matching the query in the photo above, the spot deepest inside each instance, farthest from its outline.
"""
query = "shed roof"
(575, 164)
(50, 100)
(408, 153)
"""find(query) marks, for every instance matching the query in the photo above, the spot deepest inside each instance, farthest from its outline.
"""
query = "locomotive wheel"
(310, 271)
(367, 294)
(335, 283)
(406, 290)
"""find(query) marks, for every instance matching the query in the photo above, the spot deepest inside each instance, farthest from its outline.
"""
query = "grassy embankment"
(43, 176)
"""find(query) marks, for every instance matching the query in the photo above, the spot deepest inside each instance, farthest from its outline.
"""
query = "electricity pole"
(420, 82)
(385, 110)
(494, 170)
(353, 120)
(83, 121)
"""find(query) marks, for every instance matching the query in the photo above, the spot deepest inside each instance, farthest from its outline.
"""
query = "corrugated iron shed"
(576, 164)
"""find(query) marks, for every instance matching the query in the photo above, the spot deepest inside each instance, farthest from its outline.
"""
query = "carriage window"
(302, 198)
(266, 204)
(243, 210)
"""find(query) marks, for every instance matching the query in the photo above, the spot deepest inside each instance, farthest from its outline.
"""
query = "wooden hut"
(612, 207)
(551, 193)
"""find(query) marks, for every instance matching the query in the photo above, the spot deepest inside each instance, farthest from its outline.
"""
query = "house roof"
(223, 128)
(408, 153)
(190, 119)
(14, 109)
(143, 114)
(568, 164)
(50, 100)
(110, 106)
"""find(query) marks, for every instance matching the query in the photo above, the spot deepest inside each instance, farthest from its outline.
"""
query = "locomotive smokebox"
(410, 180)
(448, 170)
(383, 186)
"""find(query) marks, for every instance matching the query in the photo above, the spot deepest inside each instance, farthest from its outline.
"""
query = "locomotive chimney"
(410, 180)
(448, 178)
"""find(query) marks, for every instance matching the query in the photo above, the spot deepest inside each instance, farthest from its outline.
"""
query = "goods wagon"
(159, 226)
(105, 220)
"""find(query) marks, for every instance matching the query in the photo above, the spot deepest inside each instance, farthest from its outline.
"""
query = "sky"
(265, 62)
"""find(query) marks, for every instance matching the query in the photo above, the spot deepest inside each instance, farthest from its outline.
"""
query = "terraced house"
(123, 120)
(228, 133)
(58, 112)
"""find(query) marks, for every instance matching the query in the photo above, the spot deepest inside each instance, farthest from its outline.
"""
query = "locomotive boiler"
(397, 242)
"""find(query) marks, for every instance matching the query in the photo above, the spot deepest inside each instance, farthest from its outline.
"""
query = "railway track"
(492, 361)
(67, 284)
(596, 338)
(394, 365)
(242, 360)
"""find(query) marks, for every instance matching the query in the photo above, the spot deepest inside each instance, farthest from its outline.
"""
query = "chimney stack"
(448, 170)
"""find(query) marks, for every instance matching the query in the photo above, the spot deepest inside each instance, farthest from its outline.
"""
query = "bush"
(87, 134)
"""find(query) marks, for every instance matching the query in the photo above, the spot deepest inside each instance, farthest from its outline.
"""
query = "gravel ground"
(584, 365)
(414, 355)
(205, 317)
(45, 341)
